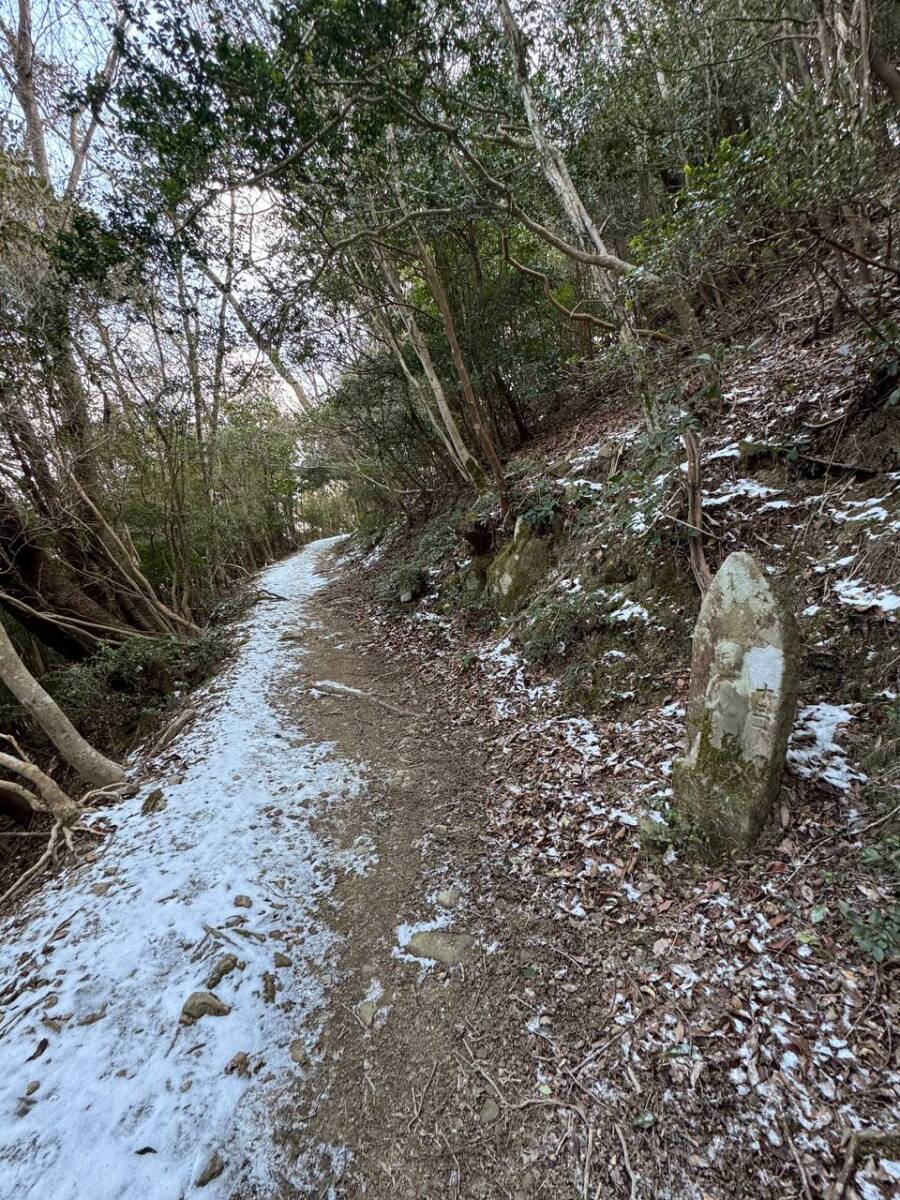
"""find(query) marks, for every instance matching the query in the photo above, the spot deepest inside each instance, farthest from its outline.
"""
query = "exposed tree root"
(49, 855)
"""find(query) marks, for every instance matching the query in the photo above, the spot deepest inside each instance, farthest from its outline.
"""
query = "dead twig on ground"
(585, 1191)
(417, 1108)
(631, 1175)
(332, 690)
(804, 1178)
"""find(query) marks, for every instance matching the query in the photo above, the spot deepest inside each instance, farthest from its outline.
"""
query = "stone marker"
(740, 708)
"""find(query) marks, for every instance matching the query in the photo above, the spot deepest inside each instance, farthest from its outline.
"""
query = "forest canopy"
(273, 271)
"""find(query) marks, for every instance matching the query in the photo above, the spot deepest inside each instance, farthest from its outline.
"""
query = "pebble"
(448, 898)
(243, 902)
(298, 1051)
(239, 1065)
(366, 1012)
(448, 948)
(490, 1111)
(154, 802)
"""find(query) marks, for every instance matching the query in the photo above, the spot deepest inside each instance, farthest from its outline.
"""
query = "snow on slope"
(129, 1102)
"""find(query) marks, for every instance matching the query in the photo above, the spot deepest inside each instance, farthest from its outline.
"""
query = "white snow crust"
(129, 1102)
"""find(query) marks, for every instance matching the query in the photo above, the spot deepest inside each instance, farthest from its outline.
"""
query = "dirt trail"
(303, 854)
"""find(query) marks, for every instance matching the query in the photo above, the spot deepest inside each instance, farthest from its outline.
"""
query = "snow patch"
(97, 966)
(813, 751)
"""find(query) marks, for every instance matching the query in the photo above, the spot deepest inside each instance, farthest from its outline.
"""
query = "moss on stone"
(519, 568)
(721, 797)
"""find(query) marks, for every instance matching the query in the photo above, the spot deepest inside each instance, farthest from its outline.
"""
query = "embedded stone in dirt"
(448, 898)
(243, 902)
(443, 947)
(212, 1168)
(298, 1051)
(203, 1004)
(490, 1111)
(92, 1018)
(223, 966)
(366, 1012)
(155, 802)
(239, 1065)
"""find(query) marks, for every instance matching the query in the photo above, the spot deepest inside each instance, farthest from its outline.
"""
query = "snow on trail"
(129, 1102)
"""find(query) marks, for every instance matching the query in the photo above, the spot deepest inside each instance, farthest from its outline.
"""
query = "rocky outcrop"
(740, 710)
(519, 568)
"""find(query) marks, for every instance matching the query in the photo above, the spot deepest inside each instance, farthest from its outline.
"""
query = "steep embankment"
(734, 1018)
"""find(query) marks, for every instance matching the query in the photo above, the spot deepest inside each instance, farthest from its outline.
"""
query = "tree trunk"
(480, 429)
(88, 762)
(469, 464)
(554, 166)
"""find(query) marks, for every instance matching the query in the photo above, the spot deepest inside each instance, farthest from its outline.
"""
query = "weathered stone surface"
(223, 966)
(740, 709)
(366, 1012)
(239, 1065)
(406, 584)
(298, 1051)
(519, 568)
(449, 948)
(490, 1111)
(155, 802)
(448, 898)
(202, 1004)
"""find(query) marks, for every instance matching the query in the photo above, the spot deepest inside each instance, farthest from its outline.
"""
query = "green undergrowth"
(607, 554)
(121, 693)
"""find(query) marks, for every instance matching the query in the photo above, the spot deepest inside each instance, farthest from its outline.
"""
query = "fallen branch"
(631, 1174)
(330, 690)
(172, 730)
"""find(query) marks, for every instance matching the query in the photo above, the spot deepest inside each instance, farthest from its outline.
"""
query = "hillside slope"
(732, 1017)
